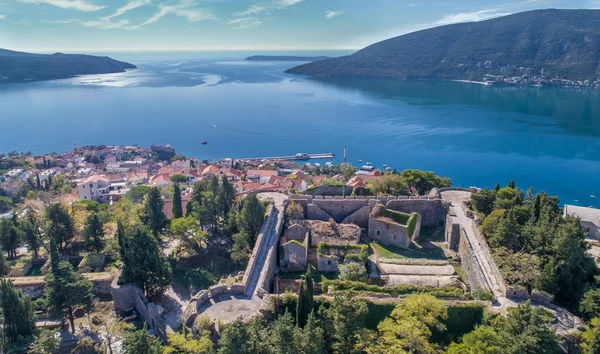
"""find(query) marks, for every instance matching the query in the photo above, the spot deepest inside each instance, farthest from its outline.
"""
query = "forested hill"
(21, 67)
(536, 45)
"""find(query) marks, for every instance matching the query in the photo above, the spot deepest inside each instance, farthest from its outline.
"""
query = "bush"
(405, 289)
(353, 272)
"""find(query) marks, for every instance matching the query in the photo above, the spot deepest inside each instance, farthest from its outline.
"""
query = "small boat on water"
(367, 168)
(204, 142)
(214, 126)
(359, 161)
(385, 165)
(592, 196)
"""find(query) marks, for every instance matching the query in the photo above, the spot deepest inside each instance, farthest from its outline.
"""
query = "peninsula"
(542, 47)
(284, 58)
(18, 67)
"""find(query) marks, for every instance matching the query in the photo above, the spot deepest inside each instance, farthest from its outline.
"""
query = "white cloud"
(101, 24)
(245, 22)
(185, 8)
(256, 9)
(132, 5)
(470, 17)
(80, 5)
(332, 14)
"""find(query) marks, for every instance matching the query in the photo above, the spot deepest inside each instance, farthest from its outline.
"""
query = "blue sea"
(477, 135)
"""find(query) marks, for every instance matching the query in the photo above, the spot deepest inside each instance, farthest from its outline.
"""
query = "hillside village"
(233, 242)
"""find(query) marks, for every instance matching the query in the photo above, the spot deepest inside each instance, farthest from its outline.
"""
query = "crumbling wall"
(294, 256)
(327, 264)
(129, 297)
(389, 233)
(433, 211)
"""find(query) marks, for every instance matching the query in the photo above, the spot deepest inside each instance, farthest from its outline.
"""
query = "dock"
(300, 156)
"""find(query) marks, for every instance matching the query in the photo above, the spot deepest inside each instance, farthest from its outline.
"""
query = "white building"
(590, 218)
(101, 189)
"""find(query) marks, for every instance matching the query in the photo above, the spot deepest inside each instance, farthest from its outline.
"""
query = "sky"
(193, 25)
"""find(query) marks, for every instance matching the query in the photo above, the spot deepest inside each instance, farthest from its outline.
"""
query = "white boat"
(592, 196)
(367, 168)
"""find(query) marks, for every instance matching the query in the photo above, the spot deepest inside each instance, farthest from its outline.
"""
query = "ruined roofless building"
(393, 227)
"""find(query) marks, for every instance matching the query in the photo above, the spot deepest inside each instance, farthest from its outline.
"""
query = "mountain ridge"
(16, 67)
(536, 47)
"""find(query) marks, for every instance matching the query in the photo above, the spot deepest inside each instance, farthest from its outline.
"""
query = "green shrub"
(404, 289)
(412, 224)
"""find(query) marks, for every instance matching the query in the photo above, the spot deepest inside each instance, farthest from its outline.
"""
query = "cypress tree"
(189, 208)
(176, 209)
(511, 184)
(49, 181)
(121, 240)
(496, 187)
(153, 216)
(54, 257)
(300, 311)
(17, 311)
(37, 181)
(310, 293)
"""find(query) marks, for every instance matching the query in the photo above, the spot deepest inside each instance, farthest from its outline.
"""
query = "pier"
(299, 156)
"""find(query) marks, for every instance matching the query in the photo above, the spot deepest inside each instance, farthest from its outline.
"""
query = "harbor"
(298, 156)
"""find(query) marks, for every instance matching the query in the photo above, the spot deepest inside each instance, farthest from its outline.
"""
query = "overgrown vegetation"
(534, 245)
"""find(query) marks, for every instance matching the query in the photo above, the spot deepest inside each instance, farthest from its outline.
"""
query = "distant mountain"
(537, 47)
(283, 58)
(22, 67)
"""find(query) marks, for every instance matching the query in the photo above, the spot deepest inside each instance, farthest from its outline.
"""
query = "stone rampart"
(325, 190)
(257, 247)
(267, 274)
(487, 254)
(34, 286)
(469, 263)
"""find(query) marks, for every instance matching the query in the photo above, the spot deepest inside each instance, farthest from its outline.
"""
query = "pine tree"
(176, 209)
(144, 263)
(66, 289)
(93, 233)
(536, 209)
(153, 215)
(300, 311)
(60, 225)
(17, 312)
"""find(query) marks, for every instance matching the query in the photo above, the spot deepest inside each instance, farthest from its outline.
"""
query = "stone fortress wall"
(357, 209)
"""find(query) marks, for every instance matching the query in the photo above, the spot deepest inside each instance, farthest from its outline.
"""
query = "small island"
(19, 67)
(284, 58)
